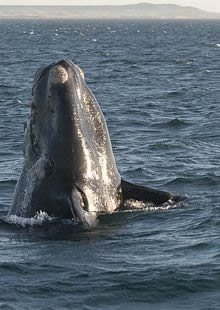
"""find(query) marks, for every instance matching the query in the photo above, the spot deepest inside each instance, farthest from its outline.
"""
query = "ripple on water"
(160, 96)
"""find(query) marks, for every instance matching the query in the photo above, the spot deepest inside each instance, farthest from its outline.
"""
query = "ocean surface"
(158, 83)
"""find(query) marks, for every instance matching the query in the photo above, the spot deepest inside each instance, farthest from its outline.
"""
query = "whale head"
(67, 133)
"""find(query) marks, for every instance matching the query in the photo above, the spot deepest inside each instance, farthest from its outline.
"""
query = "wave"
(109, 61)
(184, 61)
(173, 93)
(8, 181)
(174, 123)
(210, 180)
(2, 86)
(41, 218)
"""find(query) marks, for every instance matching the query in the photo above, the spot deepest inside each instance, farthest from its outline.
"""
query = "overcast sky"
(210, 5)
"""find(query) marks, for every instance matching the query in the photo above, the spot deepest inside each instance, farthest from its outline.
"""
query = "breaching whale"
(69, 169)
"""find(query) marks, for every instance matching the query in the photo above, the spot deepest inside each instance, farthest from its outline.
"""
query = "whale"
(69, 169)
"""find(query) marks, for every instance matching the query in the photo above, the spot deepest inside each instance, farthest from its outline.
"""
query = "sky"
(209, 5)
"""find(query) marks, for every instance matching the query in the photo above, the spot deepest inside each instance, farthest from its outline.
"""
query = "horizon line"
(138, 3)
(110, 5)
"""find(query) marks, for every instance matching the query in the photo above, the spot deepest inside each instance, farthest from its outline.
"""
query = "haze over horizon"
(208, 5)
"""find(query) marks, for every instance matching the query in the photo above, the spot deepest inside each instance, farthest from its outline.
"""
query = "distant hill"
(136, 11)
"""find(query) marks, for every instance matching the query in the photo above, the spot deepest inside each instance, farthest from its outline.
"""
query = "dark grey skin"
(69, 169)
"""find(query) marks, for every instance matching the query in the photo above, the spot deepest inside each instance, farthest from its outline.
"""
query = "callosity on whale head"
(69, 167)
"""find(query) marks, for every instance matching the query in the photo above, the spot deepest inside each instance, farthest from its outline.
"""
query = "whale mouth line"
(78, 204)
(78, 213)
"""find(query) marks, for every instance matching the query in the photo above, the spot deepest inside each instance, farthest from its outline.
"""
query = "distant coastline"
(135, 11)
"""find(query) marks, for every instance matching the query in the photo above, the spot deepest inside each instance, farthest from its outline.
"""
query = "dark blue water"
(158, 85)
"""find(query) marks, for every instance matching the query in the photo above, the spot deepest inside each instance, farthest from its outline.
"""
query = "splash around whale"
(69, 169)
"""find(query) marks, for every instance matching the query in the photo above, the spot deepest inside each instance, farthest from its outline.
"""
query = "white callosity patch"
(58, 75)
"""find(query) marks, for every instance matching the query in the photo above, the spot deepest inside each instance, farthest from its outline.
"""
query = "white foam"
(39, 219)
(42, 217)
(133, 205)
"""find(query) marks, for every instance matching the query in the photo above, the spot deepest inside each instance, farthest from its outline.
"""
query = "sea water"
(158, 84)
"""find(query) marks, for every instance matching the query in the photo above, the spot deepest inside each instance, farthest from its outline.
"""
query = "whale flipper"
(145, 194)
